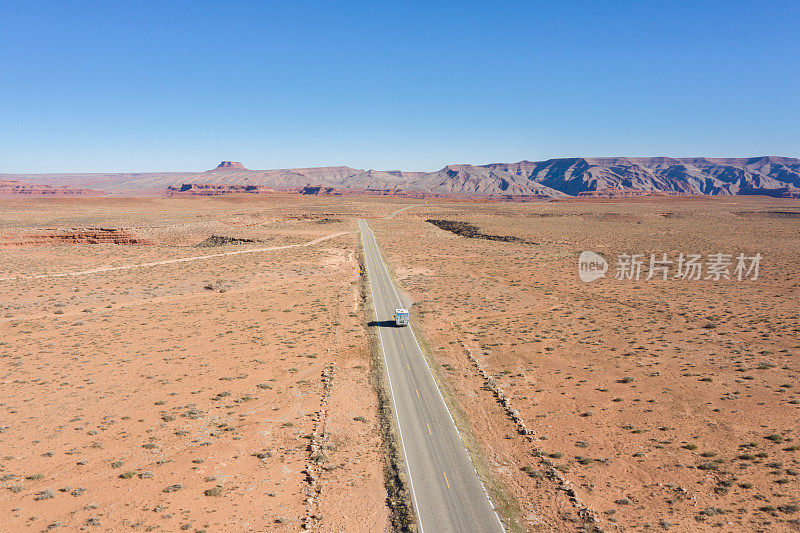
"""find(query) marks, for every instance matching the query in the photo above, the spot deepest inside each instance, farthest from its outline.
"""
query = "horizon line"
(105, 172)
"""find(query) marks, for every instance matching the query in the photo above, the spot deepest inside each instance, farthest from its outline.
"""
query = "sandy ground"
(186, 395)
(662, 404)
(232, 392)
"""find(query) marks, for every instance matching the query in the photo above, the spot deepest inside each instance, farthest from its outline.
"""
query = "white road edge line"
(485, 493)
(391, 390)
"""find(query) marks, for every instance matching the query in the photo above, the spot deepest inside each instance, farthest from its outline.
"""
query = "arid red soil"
(176, 387)
(226, 393)
(653, 404)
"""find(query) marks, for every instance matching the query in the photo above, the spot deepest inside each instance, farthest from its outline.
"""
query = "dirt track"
(173, 261)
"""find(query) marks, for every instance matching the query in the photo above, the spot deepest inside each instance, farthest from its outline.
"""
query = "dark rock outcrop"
(471, 231)
(221, 240)
(318, 190)
(206, 189)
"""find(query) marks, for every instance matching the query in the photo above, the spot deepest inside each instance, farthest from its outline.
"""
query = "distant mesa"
(230, 165)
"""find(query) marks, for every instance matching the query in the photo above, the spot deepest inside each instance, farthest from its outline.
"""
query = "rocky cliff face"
(472, 180)
(71, 236)
(692, 176)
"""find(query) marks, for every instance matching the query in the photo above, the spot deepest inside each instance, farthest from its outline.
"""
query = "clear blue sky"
(142, 86)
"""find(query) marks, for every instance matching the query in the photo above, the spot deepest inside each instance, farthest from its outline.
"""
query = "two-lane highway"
(448, 496)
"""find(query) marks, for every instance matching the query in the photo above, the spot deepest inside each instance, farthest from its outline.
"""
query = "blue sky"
(146, 86)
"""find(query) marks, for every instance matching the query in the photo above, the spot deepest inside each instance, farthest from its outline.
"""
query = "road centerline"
(462, 505)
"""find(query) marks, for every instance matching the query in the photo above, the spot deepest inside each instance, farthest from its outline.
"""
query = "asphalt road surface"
(448, 496)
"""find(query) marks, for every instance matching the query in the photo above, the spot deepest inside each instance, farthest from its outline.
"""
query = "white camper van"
(401, 317)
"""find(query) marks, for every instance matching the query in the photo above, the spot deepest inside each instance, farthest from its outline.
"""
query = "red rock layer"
(18, 188)
(73, 236)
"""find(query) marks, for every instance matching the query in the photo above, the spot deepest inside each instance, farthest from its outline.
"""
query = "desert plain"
(206, 364)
